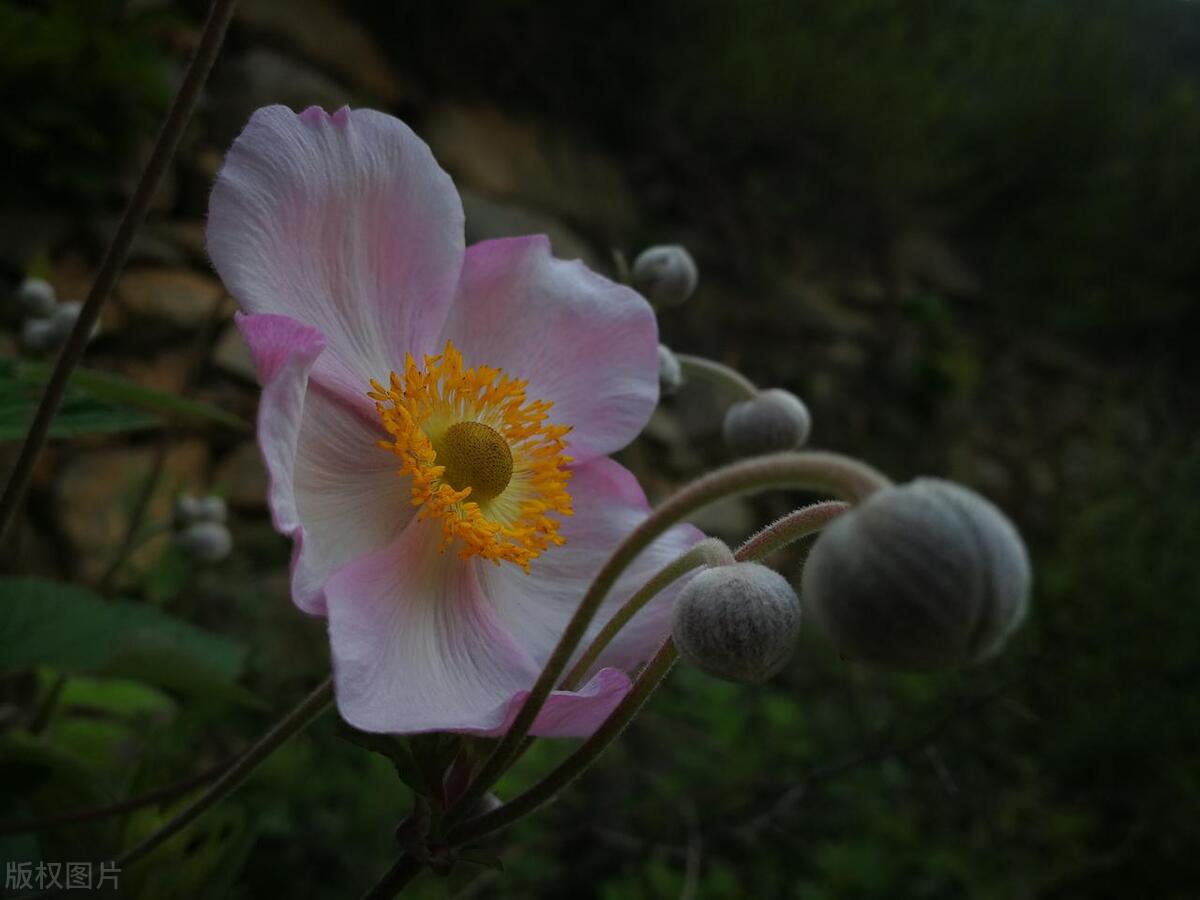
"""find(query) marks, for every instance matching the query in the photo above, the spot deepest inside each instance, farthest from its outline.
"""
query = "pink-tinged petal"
(343, 222)
(332, 488)
(536, 607)
(416, 645)
(583, 342)
(573, 713)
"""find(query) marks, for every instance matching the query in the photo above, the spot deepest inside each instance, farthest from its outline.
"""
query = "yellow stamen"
(481, 457)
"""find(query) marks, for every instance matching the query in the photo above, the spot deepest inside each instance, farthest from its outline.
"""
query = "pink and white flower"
(434, 420)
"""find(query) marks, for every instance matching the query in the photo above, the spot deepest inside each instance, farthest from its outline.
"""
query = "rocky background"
(993, 282)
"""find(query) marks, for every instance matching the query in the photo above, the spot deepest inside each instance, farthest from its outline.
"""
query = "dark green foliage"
(81, 82)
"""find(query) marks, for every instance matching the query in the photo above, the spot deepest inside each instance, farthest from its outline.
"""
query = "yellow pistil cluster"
(482, 458)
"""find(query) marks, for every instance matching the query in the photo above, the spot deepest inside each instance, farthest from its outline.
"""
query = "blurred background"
(967, 234)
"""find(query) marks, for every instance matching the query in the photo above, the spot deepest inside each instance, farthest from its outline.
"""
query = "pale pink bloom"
(447, 518)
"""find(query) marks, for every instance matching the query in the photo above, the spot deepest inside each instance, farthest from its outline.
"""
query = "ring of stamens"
(482, 458)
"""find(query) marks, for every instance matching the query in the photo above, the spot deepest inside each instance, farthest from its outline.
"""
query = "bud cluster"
(48, 323)
(200, 529)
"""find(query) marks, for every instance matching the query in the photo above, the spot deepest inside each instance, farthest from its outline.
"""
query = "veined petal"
(536, 607)
(332, 488)
(343, 222)
(587, 344)
(416, 646)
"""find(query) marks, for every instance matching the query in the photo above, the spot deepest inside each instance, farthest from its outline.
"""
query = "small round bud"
(64, 317)
(189, 510)
(39, 335)
(666, 275)
(773, 421)
(921, 575)
(205, 542)
(37, 298)
(670, 373)
(737, 622)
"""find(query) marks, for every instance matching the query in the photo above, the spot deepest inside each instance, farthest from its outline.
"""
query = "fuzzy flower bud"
(737, 622)
(205, 542)
(666, 275)
(670, 373)
(773, 421)
(921, 575)
(37, 298)
(39, 335)
(189, 510)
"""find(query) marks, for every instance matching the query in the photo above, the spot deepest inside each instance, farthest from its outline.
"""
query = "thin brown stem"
(114, 258)
(159, 794)
(395, 879)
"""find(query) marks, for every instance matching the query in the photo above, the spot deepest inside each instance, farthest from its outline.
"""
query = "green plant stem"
(572, 767)
(114, 258)
(166, 792)
(792, 527)
(709, 552)
(840, 475)
(290, 725)
(710, 370)
(395, 879)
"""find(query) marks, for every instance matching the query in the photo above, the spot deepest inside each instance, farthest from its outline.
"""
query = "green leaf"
(67, 627)
(107, 386)
(79, 414)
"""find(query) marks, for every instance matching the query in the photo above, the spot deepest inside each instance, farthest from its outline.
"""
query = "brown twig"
(114, 257)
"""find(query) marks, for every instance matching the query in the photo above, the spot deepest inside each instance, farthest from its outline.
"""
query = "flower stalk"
(710, 370)
(165, 146)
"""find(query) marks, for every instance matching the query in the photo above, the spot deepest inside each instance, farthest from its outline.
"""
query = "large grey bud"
(37, 298)
(774, 421)
(666, 275)
(737, 622)
(918, 576)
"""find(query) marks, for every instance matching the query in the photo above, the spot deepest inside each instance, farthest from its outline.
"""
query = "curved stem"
(166, 792)
(290, 725)
(792, 527)
(831, 472)
(572, 767)
(114, 258)
(712, 371)
(395, 879)
(710, 552)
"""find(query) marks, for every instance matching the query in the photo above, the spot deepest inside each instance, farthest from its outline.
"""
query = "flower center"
(482, 458)
(476, 456)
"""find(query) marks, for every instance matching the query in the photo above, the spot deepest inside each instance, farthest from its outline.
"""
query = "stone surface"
(95, 493)
(242, 479)
(511, 159)
(327, 37)
(179, 297)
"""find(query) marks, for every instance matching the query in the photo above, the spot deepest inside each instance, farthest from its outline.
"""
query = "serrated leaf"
(69, 628)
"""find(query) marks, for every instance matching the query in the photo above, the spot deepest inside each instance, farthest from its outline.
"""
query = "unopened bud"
(670, 373)
(666, 275)
(200, 509)
(921, 575)
(205, 542)
(774, 421)
(65, 316)
(37, 298)
(39, 335)
(737, 622)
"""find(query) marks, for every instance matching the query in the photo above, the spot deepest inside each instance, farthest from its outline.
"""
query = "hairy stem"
(710, 552)
(114, 258)
(290, 725)
(792, 527)
(710, 370)
(572, 767)
(840, 475)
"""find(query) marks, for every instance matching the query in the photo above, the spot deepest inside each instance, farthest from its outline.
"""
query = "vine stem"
(793, 527)
(718, 373)
(165, 145)
(839, 475)
(233, 777)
